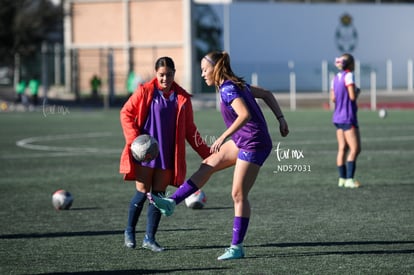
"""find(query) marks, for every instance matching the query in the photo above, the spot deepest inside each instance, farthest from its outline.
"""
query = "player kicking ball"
(245, 144)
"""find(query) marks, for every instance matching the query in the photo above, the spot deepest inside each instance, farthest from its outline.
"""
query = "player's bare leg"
(352, 138)
(341, 156)
(220, 160)
(245, 174)
(224, 158)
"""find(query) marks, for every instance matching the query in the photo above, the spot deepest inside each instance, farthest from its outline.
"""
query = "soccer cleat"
(351, 183)
(129, 238)
(165, 205)
(151, 245)
(233, 252)
(341, 182)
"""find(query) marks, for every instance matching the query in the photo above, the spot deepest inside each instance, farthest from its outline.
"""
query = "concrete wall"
(138, 32)
(267, 37)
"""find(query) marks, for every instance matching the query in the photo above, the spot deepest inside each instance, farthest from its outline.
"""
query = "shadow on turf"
(313, 244)
(339, 244)
(329, 253)
(81, 233)
(215, 208)
(320, 244)
(83, 208)
(140, 271)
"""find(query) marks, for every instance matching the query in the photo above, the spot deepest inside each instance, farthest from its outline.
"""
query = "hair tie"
(209, 60)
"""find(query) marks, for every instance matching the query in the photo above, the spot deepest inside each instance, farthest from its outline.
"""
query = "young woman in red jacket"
(162, 109)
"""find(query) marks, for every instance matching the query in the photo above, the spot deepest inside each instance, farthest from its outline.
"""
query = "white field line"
(28, 143)
(53, 154)
(333, 140)
(60, 151)
(369, 151)
(363, 129)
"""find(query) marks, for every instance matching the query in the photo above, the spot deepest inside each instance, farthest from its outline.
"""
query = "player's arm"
(128, 117)
(193, 136)
(243, 116)
(271, 101)
(357, 91)
(350, 86)
(351, 92)
(332, 92)
(332, 96)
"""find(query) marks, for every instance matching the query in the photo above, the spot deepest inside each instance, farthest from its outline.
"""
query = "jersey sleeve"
(349, 79)
(228, 93)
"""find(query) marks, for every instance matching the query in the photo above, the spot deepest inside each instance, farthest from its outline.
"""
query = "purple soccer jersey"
(345, 111)
(160, 124)
(254, 135)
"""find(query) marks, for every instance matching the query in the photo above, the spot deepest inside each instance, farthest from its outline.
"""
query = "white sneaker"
(341, 182)
(233, 252)
(351, 183)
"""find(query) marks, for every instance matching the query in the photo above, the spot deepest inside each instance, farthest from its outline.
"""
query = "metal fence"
(50, 64)
(314, 76)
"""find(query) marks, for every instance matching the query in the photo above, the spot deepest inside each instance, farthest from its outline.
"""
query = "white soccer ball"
(197, 200)
(62, 199)
(144, 148)
(382, 113)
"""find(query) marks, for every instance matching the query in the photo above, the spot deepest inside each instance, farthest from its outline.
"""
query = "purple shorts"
(345, 126)
(256, 157)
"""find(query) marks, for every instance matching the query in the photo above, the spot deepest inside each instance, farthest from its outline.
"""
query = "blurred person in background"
(344, 94)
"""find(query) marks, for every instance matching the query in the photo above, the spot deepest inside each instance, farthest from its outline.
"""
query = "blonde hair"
(222, 69)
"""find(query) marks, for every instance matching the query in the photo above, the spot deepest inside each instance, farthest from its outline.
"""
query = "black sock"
(135, 208)
(350, 169)
(342, 171)
(153, 218)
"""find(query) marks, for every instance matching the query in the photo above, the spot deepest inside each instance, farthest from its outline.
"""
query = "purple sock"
(185, 190)
(240, 225)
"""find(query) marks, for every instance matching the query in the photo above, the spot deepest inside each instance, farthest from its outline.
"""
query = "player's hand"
(215, 147)
(357, 92)
(283, 127)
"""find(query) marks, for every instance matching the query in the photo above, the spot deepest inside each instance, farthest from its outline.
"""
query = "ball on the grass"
(4, 106)
(62, 199)
(144, 148)
(382, 113)
(197, 200)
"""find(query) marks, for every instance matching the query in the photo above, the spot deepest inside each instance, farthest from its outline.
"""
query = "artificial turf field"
(302, 223)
